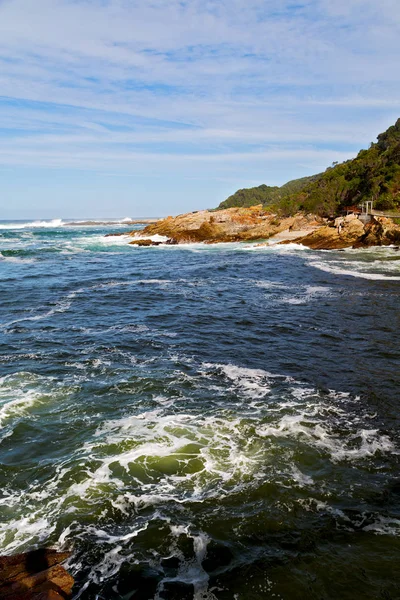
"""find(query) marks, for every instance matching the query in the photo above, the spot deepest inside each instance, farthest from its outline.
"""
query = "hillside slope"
(373, 175)
(264, 194)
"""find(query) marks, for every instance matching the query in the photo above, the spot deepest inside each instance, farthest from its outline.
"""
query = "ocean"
(200, 421)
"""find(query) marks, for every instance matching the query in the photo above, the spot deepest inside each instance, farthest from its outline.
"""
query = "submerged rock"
(36, 575)
(144, 243)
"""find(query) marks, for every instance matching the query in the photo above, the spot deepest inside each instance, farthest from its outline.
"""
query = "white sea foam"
(64, 303)
(190, 571)
(16, 259)
(61, 306)
(252, 383)
(337, 269)
(170, 453)
(273, 247)
(20, 392)
(55, 223)
(308, 425)
(306, 294)
(154, 238)
(16, 407)
(384, 525)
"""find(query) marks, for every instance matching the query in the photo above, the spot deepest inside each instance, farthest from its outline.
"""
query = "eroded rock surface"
(380, 231)
(229, 225)
(254, 223)
(36, 575)
(145, 242)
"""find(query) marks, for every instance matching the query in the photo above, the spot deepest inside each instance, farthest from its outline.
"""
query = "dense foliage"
(373, 175)
(265, 194)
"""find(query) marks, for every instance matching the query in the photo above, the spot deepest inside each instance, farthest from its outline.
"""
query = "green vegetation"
(265, 194)
(373, 175)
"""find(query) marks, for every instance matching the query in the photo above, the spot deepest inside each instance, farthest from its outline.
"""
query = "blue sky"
(135, 108)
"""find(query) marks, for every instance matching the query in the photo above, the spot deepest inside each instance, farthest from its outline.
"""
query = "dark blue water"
(201, 421)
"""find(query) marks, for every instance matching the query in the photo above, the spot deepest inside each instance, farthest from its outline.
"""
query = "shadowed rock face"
(230, 225)
(36, 575)
(381, 231)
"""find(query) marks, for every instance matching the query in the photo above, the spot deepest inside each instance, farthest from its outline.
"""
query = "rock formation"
(36, 575)
(144, 243)
(381, 231)
(351, 233)
(254, 223)
(229, 225)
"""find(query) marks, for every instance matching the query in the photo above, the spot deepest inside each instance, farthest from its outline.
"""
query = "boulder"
(144, 243)
(36, 575)
(329, 238)
(380, 231)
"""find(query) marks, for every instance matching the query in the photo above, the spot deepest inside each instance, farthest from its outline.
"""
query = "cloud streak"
(287, 87)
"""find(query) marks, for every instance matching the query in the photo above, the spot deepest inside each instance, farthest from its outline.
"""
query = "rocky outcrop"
(36, 575)
(350, 232)
(144, 243)
(254, 223)
(230, 225)
(381, 231)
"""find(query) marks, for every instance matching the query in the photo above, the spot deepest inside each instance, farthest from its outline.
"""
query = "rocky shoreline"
(255, 224)
(352, 233)
(35, 575)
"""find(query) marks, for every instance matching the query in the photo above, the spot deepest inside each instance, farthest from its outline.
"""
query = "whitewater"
(200, 421)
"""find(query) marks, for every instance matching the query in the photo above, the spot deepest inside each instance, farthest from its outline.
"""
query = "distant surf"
(56, 223)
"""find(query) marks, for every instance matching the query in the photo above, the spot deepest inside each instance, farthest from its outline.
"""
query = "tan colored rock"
(229, 225)
(381, 231)
(144, 243)
(350, 217)
(255, 223)
(204, 225)
(36, 575)
(329, 238)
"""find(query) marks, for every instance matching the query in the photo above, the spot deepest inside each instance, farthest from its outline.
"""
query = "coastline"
(254, 224)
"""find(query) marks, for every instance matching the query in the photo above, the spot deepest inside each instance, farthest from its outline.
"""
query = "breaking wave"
(54, 223)
(200, 422)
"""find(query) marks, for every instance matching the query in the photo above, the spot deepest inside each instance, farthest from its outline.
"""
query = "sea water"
(200, 421)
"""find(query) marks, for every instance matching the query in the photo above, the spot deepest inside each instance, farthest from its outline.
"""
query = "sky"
(115, 108)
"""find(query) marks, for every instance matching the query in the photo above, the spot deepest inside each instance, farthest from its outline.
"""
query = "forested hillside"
(265, 194)
(373, 175)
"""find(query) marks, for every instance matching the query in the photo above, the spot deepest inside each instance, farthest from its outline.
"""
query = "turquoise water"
(200, 421)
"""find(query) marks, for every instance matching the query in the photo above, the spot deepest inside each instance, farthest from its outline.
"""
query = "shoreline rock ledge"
(228, 225)
(255, 224)
(36, 575)
(352, 233)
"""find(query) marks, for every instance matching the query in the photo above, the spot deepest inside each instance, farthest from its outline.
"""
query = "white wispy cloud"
(84, 84)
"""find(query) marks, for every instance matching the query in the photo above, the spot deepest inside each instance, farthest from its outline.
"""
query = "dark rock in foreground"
(36, 575)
